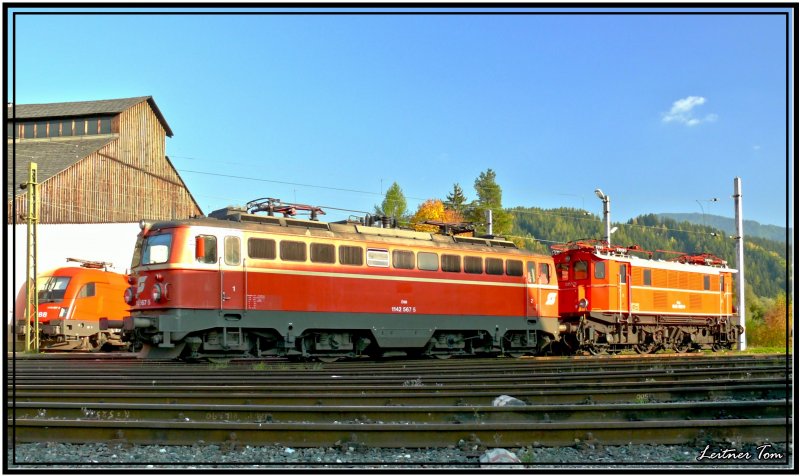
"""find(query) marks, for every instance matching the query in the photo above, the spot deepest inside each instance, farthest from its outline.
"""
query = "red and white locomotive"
(238, 283)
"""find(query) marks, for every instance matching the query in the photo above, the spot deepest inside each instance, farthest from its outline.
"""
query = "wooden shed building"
(98, 162)
(102, 167)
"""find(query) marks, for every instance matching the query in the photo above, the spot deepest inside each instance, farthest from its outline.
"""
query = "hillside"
(765, 259)
(728, 225)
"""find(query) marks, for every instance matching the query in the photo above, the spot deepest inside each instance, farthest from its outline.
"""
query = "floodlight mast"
(606, 212)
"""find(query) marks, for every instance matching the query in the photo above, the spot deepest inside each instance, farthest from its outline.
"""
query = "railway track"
(667, 400)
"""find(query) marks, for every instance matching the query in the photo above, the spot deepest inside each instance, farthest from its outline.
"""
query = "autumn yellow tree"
(433, 210)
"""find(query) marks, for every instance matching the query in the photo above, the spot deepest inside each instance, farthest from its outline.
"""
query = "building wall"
(127, 180)
(111, 242)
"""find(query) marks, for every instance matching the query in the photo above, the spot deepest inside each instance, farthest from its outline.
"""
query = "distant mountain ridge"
(728, 225)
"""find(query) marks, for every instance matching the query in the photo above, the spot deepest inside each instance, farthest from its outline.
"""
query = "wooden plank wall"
(127, 180)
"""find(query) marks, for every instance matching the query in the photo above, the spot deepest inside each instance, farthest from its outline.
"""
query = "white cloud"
(682, 112)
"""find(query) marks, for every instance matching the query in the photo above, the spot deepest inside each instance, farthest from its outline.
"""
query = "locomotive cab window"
(544, 273)
(531, 272)
(580, 270)
(562, 271)
(52, 288)
(88, 290)
(623, 273)
(155, 249)
(600, 270)
(205, 248)
(232, 250)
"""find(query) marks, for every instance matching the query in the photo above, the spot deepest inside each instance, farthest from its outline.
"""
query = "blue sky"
(660, 111)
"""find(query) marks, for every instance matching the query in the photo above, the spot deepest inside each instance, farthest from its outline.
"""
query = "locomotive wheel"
(599, 349)
(329, 359)
(647, 348)
(442, 356)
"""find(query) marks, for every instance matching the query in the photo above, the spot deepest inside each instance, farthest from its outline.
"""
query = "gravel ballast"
(206, 456)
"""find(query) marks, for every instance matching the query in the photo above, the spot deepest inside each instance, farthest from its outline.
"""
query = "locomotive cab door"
(541, 295)
(232, 292)
(623, 294)
(532, 291)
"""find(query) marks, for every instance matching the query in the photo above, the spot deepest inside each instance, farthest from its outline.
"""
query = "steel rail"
(392, 435)
(90, 410)
(542, 394)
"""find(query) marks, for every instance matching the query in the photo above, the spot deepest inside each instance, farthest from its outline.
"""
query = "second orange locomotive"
(612, 299)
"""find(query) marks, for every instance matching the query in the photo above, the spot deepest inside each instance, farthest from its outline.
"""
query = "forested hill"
(765, 260)
(728, 225)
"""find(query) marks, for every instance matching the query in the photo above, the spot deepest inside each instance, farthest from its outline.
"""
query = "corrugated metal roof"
(82, 108)
(51, 157)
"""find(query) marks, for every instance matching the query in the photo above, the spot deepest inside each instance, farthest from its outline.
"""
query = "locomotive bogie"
(207, 333)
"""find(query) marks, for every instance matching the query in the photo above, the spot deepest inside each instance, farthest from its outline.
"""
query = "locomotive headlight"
(157, 292)
(129, 296)
(583, 303)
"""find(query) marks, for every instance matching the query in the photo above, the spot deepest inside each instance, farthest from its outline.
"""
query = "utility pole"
(32, 306)
(737, 199)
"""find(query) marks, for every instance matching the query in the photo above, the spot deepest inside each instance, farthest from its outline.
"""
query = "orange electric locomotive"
(241, 283)
(610, 298)
(72, 300)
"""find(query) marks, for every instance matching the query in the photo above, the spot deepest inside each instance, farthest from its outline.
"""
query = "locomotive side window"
(403, 259)
(428, 261)
(323, 253)
(623, 273)
(206, 248)
(514, 267)
(451, 263)
(581, 270)
(562, 271)
(600, 270)
(706, 282)
(378, 258)
(261, 248)
(544, 273)
(473, 264)
(232, 250)
(156, 249)
(648, 277)
(494, 266)
(88, 290)
(293, 251)
(351, 255)
(722, 283)
(531, 272)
